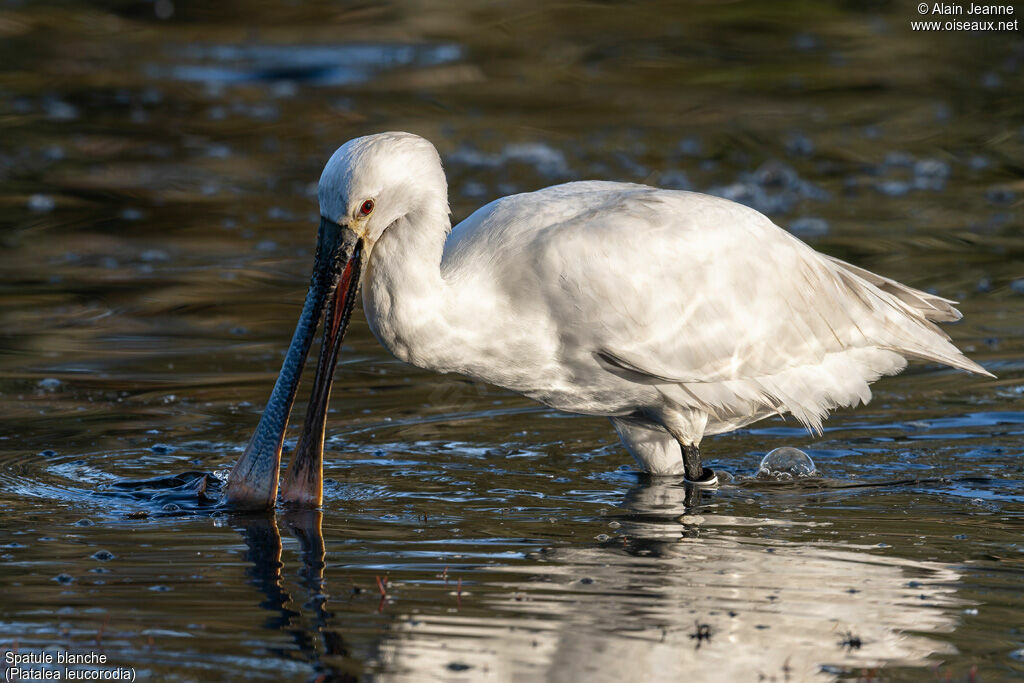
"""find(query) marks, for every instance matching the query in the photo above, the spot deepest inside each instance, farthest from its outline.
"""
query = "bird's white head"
(373, 181)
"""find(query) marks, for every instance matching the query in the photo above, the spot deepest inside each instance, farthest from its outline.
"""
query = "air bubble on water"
(786, 464)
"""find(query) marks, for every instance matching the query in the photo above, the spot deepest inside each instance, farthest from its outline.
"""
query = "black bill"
(253, 480)
(303, 481)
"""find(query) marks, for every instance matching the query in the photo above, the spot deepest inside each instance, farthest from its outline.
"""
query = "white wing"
(705, 299)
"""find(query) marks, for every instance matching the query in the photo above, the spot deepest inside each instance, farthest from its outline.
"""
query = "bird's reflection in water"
(318, 645)
(679, 592)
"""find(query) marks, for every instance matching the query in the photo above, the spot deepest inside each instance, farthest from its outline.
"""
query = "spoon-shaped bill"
(252, 483)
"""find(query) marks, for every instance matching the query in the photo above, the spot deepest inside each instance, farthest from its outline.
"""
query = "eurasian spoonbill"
(675, 314)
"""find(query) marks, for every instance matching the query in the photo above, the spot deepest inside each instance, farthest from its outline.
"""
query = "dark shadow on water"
(180, 494)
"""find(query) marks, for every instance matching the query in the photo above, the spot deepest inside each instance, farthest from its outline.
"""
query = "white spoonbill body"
(675, 314)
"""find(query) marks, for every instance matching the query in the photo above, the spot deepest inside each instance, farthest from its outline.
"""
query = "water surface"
(157, 179)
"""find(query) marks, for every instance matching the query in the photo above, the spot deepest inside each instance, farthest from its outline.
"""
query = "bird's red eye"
(367, 208)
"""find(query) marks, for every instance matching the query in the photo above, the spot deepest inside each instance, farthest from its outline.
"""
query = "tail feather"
(923, 340)
(933, 308)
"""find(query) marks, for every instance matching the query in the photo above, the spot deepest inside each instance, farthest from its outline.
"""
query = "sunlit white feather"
(657, 308)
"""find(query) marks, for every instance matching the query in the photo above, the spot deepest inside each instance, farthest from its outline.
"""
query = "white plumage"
(676, 314)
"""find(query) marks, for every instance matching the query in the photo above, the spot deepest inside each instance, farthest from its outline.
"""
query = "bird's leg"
(696, 473)
(687, 427)
(691, 462)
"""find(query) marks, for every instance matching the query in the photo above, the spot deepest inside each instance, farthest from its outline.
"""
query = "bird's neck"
(404, 293)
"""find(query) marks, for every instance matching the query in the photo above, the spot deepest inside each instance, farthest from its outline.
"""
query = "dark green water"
(157, 185)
